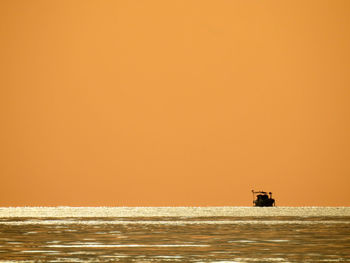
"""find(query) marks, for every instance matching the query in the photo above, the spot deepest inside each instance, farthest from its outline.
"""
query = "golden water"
(175, 234)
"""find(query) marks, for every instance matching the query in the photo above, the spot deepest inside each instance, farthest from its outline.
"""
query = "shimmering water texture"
(175, 234)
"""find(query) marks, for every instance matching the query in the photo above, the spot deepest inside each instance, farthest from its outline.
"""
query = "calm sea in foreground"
(175, 234)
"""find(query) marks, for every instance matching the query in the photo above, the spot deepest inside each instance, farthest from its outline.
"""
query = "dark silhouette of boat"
(262, 199)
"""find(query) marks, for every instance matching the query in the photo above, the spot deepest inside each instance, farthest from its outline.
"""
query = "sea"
(175, 234)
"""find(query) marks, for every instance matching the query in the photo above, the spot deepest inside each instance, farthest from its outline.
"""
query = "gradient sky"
(174, 103)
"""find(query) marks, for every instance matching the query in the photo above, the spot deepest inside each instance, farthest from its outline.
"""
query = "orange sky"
(180, 102)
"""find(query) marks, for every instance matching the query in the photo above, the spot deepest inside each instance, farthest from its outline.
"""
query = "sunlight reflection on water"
(221, 234)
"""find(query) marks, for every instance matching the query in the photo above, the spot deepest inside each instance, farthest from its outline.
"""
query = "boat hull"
(266, 202)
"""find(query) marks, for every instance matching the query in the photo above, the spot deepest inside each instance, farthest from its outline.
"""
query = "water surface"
(175, 234)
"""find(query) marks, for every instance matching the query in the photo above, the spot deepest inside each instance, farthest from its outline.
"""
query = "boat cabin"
(261, 198)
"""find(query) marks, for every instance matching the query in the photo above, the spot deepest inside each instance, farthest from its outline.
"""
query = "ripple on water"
(124, 245)
(267, 259)
(40, 251)
(96, 223)
(242, 241)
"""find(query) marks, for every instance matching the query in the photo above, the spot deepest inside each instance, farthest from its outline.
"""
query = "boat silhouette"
(262, 199)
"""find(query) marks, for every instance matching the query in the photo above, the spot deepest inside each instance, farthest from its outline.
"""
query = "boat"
(263, 199)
